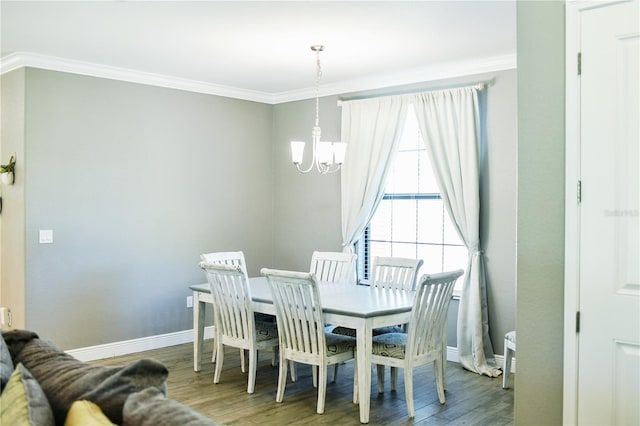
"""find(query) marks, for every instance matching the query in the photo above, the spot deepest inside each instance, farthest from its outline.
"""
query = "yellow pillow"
(86, 413)
(23, 401)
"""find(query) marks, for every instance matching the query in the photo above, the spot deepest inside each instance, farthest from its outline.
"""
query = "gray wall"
(135, 181)
(308, 206)
(540, 258)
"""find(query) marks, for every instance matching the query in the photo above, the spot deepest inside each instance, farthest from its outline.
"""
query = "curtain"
(372, 128)
(449, 121)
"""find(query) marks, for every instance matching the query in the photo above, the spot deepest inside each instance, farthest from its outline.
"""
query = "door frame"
(573, 9)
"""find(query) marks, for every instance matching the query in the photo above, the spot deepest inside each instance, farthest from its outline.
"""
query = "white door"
(608, 382)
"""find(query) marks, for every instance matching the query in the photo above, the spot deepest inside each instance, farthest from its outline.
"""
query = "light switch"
(46, 236)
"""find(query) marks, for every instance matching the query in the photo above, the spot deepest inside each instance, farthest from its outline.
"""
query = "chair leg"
(273, 357)
(253, 361)
(444, 361)
(335, 372)
(438, 371)
(394, 378)
(408, 391)
(219, 362)
(294, 376)
(355, 382)
(322, 386)
(380, 369)
(243, 364)
(506, 368)
(282, 378)
(314, 374)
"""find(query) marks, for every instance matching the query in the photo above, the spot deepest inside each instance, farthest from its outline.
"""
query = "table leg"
(363, 337)
(198, 329)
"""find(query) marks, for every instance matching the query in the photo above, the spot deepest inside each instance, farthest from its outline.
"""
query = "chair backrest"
(298, 315)
(429, 314)
(329, 266)
(232, 306)
(226, 258)
(395, 272)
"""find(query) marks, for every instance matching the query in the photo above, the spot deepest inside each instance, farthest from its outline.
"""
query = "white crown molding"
(418, 75)
(24, 59)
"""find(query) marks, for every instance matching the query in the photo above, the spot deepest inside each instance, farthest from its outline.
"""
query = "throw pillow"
(86, 413)
(23, 402)
(151, 408)
(6, 365)
(65, 379)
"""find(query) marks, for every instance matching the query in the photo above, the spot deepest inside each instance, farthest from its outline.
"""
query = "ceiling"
(261, 50)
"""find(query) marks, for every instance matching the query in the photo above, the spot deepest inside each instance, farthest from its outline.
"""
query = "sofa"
(42, 385)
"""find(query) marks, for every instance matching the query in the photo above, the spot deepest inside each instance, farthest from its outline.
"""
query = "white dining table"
(360, 307)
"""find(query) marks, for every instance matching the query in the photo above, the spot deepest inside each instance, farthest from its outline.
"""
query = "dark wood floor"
(471, 399)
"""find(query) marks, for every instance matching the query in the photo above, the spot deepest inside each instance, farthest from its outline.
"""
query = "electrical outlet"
(5, 316)
(46, 236)
(189, 301)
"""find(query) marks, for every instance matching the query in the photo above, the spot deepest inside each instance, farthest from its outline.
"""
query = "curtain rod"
(412, 91)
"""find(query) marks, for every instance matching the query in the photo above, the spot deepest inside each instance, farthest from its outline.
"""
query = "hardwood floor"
(471, 399)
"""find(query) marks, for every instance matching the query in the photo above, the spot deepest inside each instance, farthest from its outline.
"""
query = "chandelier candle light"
(327, 156)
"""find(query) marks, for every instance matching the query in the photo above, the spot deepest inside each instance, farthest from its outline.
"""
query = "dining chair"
(334, 267)
(235, 258)
(301, 330)
(394, 273)
(425, 340)
(398, 273)
(234, 319)
(226, 258)
(329, 266)
(509, 351)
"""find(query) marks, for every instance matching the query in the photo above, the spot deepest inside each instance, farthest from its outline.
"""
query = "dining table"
(360, 307)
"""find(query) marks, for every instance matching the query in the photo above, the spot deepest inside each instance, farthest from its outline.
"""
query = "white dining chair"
(226, 258)
(234, 319)
(423, 344)
(301, 330)
(329, 266)
(235, 258)
(334, 267)
(394, 273)
(397, 273)
(509, 351)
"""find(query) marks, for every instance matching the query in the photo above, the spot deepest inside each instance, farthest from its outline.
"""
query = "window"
(411, 220)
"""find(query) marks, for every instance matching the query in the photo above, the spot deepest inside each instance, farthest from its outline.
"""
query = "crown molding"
(416, 75)
(25, 59)
(375, 81)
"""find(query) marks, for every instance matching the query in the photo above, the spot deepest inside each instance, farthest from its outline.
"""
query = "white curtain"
(372, 128)
(449, 121)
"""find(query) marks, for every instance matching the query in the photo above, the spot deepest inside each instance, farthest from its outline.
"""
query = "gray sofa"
(51, 380)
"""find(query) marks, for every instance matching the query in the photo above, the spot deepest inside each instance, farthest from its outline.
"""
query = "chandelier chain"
(318, 78)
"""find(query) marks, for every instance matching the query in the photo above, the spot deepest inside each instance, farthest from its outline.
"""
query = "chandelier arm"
(327, 170)
(307, 170)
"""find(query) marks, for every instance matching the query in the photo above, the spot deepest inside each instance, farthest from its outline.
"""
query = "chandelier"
(327, 156)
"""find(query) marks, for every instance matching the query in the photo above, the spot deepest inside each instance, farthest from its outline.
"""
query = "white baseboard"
(452, 355)
(126, 347)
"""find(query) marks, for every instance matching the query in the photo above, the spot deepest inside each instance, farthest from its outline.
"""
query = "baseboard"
(453, 356)
(126, 347)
